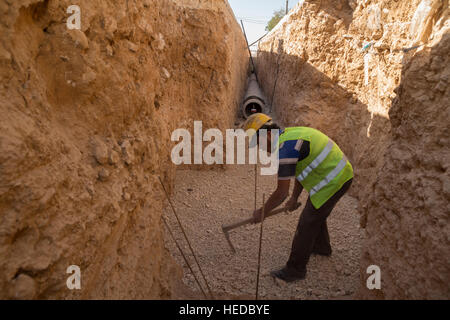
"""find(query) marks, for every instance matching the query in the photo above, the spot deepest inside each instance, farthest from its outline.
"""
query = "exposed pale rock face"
(408, 219)
(338, 66)
(85, 131)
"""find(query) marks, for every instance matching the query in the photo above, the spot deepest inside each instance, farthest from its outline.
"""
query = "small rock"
(100, 151)
(72, 83)
(132, 46)
(127, 151)
(24, 287)
(113, 157)
(89, 76)
(110, 27)
(441, 86)
(109, 51)
(90, 189)
(159, 43)
(144, 26)
(381, 45)
(166, 74)
(126, 196)
(103, 175)
(47, 197)
(38, 264)
(85, 196)
(79, 38)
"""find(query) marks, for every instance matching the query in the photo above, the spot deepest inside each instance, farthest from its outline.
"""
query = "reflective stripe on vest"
(317, 161)
(325, 170)
(333, 174)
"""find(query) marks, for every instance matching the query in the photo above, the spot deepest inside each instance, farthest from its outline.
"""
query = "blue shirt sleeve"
(289, 154)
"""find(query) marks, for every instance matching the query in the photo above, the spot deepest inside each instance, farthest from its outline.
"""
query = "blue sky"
(257, 13)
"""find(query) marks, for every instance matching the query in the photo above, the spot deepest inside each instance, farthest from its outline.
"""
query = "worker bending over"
(320, 167)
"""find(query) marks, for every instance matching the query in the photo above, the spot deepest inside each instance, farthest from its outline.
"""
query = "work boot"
(288, 275)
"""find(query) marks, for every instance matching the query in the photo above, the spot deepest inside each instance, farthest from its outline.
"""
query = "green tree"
(277, 16)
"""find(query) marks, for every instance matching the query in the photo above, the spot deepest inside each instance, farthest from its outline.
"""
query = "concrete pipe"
(254, 101)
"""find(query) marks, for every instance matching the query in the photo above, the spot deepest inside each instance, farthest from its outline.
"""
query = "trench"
(86, 133)
(208, 198)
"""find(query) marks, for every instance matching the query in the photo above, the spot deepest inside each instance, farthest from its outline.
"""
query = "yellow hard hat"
(256, 121)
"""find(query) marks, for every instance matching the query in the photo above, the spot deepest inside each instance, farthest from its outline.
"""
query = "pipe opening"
(254, 99)
(252, 108)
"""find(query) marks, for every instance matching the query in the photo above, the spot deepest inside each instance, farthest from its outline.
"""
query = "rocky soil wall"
(85, 131)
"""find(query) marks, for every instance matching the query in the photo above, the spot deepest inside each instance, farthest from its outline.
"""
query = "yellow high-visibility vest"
(325, 170)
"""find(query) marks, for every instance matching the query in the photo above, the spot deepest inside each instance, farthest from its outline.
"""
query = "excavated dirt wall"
(408, 223)
(338, 66)
(87, 117)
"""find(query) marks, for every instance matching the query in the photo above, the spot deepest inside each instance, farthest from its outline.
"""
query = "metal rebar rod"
(275, 85)
(260, 246)
(249, 52)
(258, 39)
(184, 257)
(186, 237)
(256, 180)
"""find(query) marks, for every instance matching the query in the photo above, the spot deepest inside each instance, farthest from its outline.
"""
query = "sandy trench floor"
(207, 199)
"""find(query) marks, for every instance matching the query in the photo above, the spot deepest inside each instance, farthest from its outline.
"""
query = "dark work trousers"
(312, 231)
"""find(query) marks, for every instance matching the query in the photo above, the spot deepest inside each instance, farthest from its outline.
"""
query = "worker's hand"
(257, 216)
(292, 204)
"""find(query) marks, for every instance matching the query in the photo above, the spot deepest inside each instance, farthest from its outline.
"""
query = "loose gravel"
(207, 199)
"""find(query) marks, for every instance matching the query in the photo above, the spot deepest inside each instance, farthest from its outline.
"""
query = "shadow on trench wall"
(301, 95)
